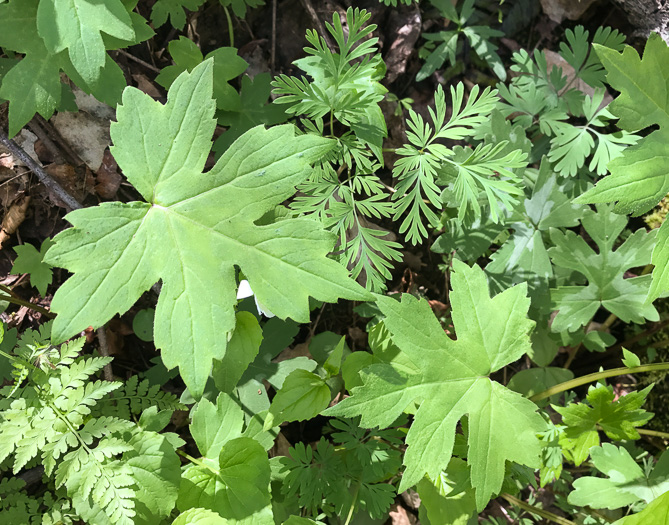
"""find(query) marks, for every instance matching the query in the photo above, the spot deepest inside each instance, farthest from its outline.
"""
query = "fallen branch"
(55, 188)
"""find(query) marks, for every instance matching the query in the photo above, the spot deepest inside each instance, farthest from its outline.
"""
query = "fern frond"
(135, 396)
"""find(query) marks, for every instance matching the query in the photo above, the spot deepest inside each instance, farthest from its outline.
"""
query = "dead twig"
(138, 60)
(72, 157)
(55, 188)
(317, 22)
(104, 352)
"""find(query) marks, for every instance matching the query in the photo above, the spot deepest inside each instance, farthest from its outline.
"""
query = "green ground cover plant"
(525, 192)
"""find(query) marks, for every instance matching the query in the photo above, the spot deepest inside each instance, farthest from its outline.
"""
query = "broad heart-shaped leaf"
(236, 486)
(194, 228)
(604, 270)
(449, 379)
(77, 25)
(303, 395)
(626, 483)
(200, 516)
(618, 419)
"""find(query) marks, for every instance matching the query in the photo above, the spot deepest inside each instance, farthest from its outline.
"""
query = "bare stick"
(138, 60)
(55, 188)
(317, 21)
(272, 61)
(104, 351)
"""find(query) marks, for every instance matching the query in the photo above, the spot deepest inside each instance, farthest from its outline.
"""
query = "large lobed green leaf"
(639, 178)
(194, 228)
(449, 379)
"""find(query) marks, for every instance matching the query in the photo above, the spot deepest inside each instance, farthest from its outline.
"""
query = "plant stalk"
(591, 378)
(535, 510)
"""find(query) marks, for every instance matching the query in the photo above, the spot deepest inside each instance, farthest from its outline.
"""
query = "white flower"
(245, 291)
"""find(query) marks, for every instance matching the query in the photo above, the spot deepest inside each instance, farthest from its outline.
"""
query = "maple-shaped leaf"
(175, 10)
(604, 270)
(227, 65)
(30, 260)
(33, 84)
(618, 419)
(253, 110)
(626, 483)
(77, 25)
(239, 6)
(194, 228)
(639, 178)
(449, 379)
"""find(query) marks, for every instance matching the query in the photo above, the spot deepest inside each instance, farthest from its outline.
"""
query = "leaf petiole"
(591, 378)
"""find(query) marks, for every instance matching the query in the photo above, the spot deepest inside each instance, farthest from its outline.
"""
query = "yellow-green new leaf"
(449, 379)
(194, 228)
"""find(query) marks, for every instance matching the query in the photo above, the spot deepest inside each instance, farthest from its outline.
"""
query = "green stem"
(654, 433)
(28, 304)
(591, 378)
(198, 462)
(231, 30)
(535, 510)
(355, 499)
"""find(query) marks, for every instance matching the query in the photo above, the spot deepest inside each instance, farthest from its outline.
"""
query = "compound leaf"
(492, 332)
(194, 228)
(618, 419)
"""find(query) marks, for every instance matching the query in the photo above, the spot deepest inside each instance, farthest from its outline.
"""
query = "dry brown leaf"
(399, 516)
(13, 218)
(78, 182)
(145, 85)
(108, 177)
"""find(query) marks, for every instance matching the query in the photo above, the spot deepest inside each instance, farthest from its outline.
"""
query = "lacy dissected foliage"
(58, 415)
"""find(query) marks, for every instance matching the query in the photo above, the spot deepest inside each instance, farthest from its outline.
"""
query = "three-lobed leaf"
(194, 229)
(449, 379)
